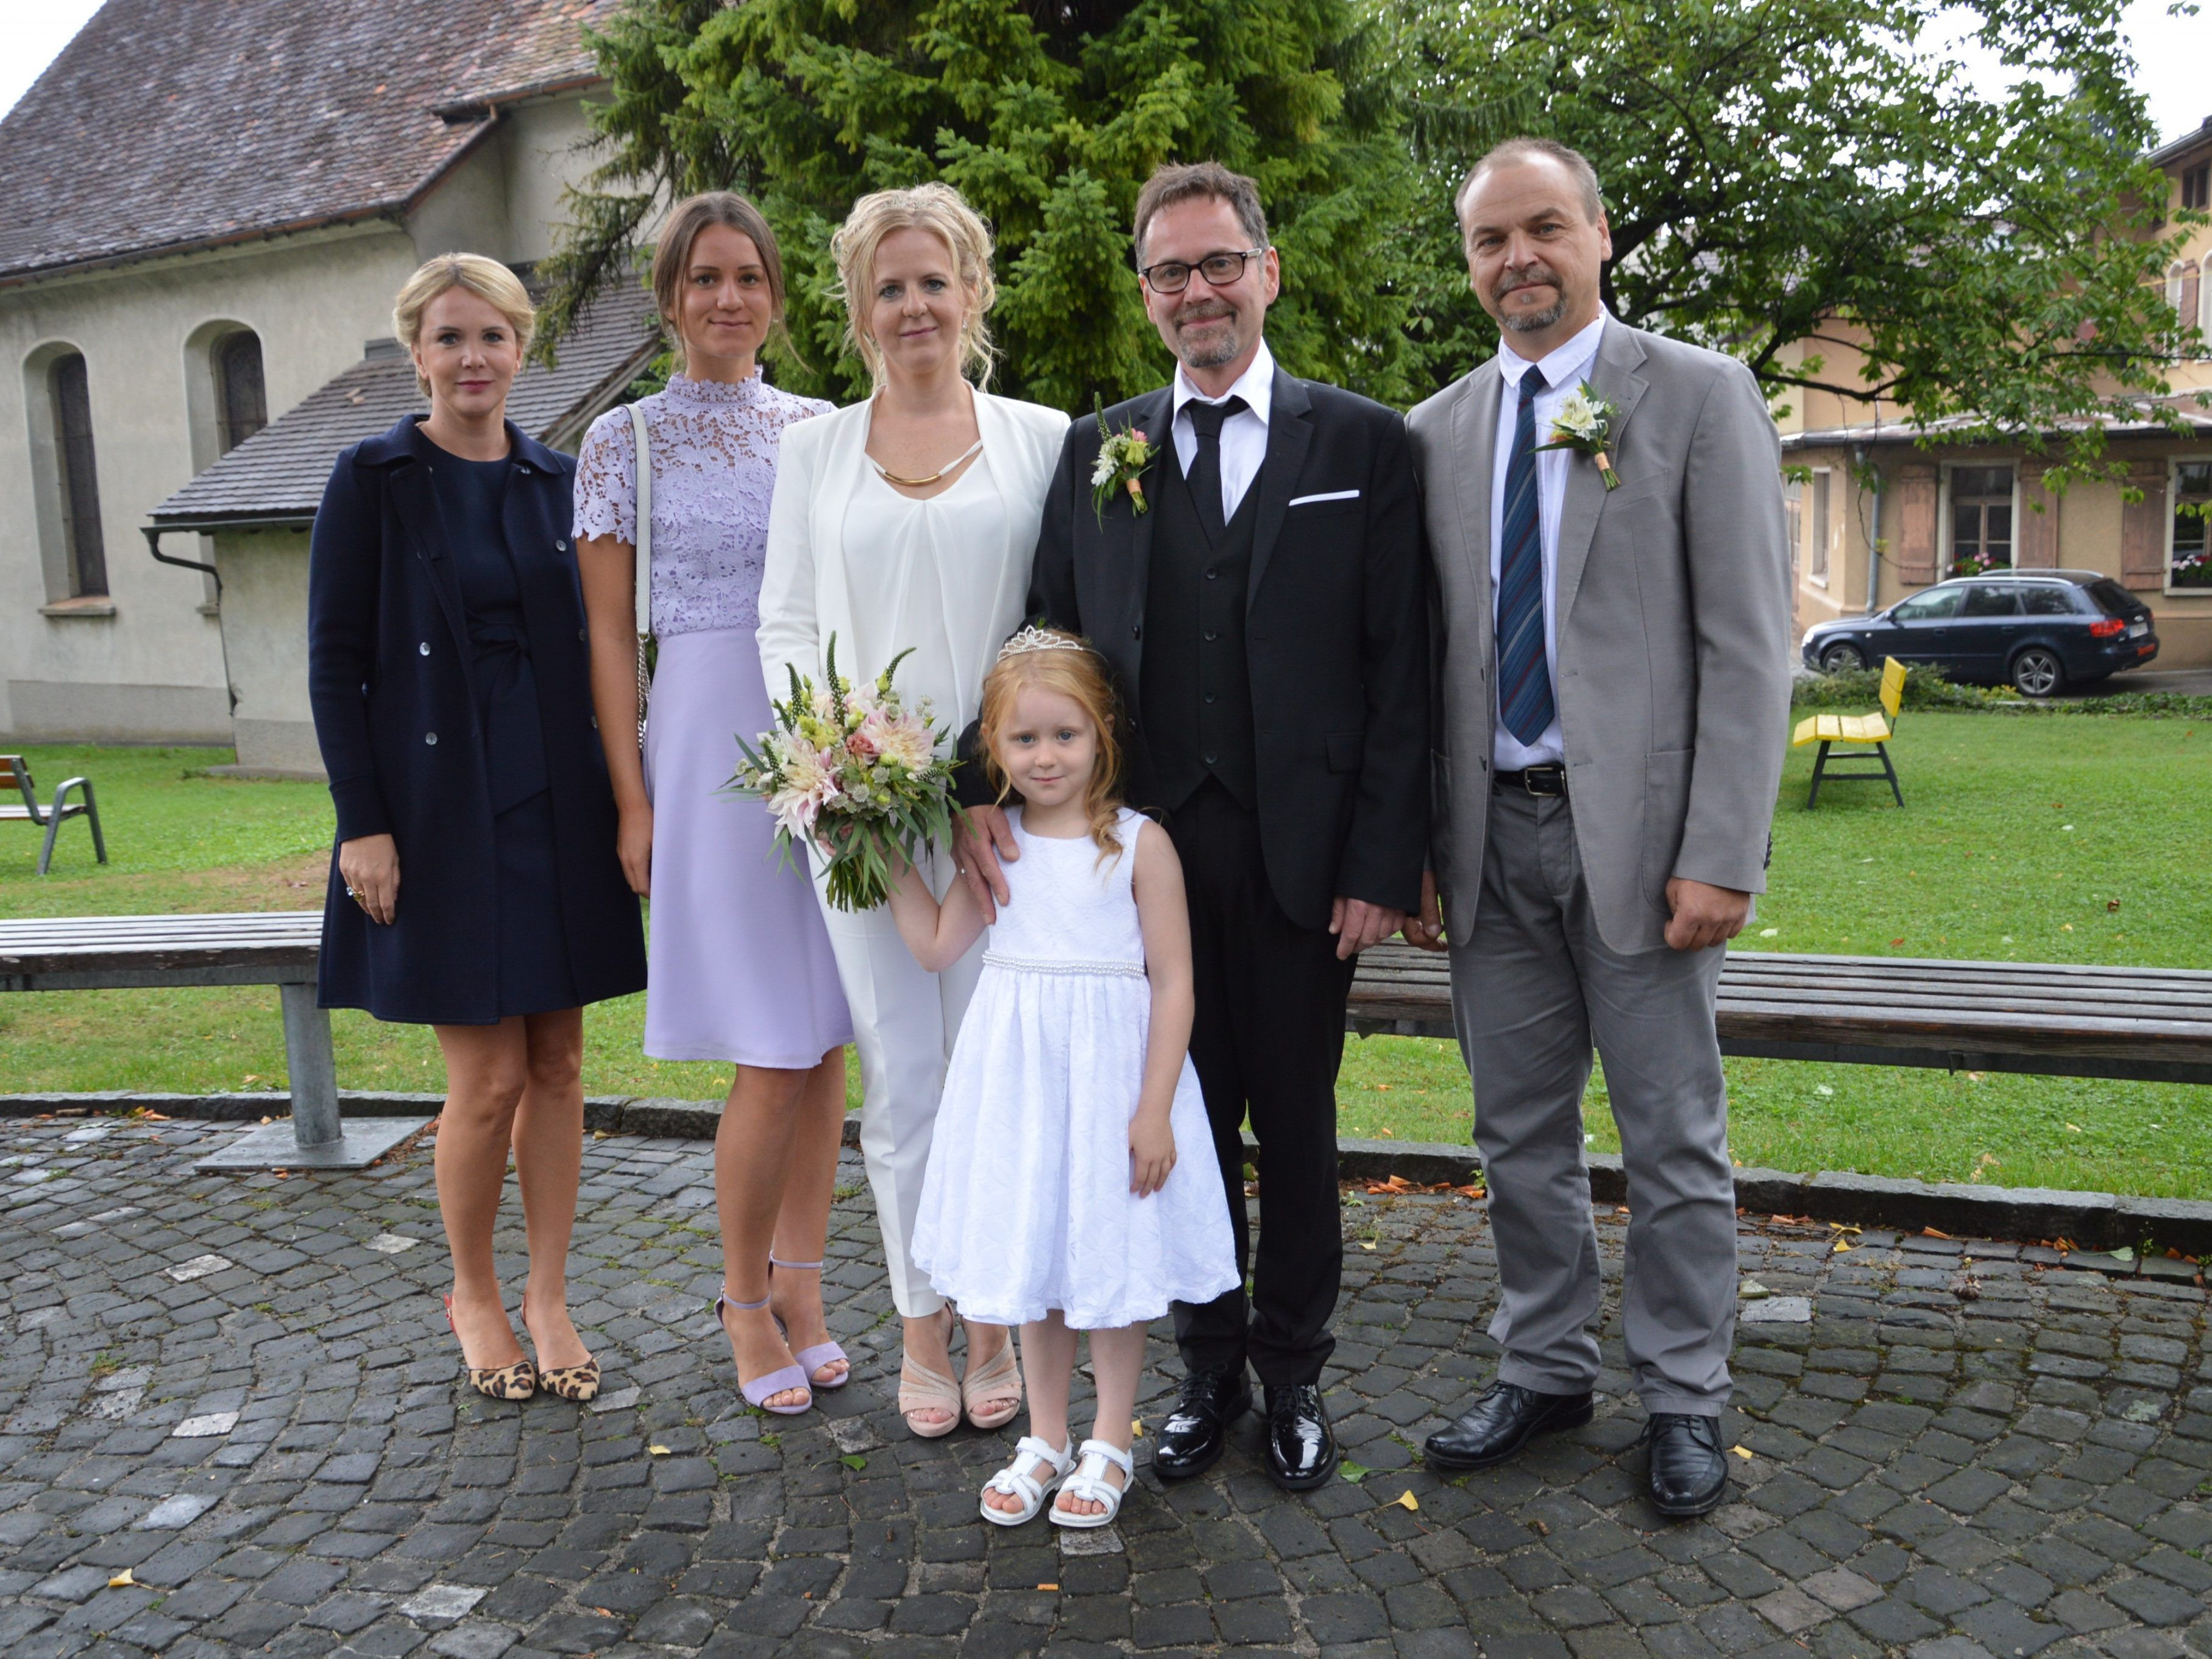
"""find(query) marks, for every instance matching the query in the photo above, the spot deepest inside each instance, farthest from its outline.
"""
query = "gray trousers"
(1531, 992)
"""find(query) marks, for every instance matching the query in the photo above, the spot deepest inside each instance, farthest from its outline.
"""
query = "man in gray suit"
(1613, 690)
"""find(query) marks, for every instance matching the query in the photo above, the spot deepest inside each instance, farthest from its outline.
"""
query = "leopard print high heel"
(515, 1382)
(579, 1383)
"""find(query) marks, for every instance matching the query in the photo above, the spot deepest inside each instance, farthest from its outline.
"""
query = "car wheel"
(1842, 657)
(2037, 672)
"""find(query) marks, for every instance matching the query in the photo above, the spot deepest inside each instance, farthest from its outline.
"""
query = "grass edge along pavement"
(2025, 840)
(2104, 1232)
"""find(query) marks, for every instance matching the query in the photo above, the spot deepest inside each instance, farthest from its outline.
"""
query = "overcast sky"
(2171, 53)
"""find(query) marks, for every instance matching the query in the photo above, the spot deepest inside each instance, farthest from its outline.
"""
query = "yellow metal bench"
(1871, 733)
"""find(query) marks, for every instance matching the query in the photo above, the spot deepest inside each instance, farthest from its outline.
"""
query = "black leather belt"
(1550, 780)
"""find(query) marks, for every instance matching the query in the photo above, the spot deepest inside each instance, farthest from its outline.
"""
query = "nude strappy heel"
(515, 1382)
(812, 1359)
(923, 1389)
(782, 1380)
(998, 1378)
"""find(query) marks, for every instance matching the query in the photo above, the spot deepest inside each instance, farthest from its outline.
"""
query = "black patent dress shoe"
(1689, 1474)
(1301, 1445)
(1503, 1418)
(1192, 1439)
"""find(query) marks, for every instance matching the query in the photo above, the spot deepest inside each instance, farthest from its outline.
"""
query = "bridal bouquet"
(849, 771)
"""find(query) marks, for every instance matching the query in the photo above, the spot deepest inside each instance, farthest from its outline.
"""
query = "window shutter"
(2038, 531)
(2142, 528)
(1915, 514)
(2186, 310)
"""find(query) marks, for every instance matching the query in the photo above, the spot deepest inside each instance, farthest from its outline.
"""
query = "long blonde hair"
(945, 214)
(1079, 675)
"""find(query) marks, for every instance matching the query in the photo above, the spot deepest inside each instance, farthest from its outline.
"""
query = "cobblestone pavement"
(230, 1422)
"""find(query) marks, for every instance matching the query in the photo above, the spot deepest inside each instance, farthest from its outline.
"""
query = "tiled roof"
(169, 125)
(276, 475)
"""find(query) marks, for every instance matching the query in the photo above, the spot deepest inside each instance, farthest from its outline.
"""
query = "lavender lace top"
(714, 448)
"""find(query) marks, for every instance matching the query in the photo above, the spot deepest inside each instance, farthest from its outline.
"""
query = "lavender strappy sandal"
(812, 1359)
(782, 1380)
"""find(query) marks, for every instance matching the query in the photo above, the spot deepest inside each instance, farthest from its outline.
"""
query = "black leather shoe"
(1689, 1475)
(1192, 1439)
(1301, 1445)
(1503, 1418)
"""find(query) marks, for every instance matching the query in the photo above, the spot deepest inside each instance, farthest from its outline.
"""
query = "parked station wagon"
(2042, 630)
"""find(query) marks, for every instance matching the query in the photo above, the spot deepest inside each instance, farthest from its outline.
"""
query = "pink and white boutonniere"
(1124, 457)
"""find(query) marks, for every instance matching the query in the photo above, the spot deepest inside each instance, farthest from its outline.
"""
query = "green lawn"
(2028, 838)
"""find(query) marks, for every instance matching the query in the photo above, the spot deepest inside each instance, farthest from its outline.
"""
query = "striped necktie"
(1524, 680)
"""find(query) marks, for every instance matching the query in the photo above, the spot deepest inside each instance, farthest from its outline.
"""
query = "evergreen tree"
(1047, 115)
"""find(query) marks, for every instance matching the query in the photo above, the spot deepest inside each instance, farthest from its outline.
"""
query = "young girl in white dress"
(1055, 1199)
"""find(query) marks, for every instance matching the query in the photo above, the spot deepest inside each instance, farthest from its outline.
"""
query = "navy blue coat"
(388, 659)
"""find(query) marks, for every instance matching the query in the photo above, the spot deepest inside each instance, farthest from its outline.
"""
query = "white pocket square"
(1328, 495)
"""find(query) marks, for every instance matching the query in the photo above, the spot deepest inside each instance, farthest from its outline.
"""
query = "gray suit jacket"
(1672, 632)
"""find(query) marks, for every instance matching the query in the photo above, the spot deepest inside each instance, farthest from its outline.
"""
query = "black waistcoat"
(1197, 691)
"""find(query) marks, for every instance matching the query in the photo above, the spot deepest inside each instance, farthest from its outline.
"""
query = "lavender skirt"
(739, 965)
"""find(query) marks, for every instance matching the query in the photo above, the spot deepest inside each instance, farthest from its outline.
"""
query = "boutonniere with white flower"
(1122, 458)
(1584, 424)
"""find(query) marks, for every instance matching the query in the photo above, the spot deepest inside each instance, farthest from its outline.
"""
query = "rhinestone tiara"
(1032, 638)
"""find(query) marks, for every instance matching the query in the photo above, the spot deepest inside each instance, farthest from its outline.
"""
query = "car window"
(2112, 598)
(1988, 599)
(1937, 602)
(2046, 600)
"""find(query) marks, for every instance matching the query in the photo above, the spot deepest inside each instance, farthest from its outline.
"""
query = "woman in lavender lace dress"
(740, 970)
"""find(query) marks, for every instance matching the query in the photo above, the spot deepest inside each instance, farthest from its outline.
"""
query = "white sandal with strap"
(1089, 1483)
(1019, 1480)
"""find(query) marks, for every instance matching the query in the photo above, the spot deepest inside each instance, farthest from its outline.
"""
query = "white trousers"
(904, 1021)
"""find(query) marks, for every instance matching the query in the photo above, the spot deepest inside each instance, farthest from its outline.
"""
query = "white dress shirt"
(1243, 435)
(1564, 369)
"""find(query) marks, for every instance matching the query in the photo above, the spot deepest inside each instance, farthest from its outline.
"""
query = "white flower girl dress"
(1026, 1205)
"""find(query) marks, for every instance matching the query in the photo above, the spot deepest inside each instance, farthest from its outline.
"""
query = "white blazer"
(805, 595)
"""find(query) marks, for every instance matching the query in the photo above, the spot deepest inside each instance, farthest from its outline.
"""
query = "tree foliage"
(1780, 172)
(1048, 117)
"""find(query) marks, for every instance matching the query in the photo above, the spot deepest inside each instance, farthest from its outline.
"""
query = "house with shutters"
(1875, 513)
(205, 212)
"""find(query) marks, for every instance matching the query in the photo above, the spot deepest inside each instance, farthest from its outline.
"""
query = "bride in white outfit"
(909, 522)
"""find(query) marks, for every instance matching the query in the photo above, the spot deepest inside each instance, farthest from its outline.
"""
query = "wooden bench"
(279, 948)
(2146, 1025)
(16, 774)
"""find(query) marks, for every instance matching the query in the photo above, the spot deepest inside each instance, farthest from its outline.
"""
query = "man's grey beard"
(1530, 322)
(1211, 356)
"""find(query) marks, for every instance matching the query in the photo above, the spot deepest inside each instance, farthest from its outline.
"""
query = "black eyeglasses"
(1219, 269)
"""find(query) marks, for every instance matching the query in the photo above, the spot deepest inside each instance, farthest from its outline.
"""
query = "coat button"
(1212, 576)
(424, 648)
(1137, 632)
(430, 737)
(1209, 696)
(1212, 759)
(595, 722)
(580, 633)
(559, 545)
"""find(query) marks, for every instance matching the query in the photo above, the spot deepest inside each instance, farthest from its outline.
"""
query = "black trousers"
(1267, 1040)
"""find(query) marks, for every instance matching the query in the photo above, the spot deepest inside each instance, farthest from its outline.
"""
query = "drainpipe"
(1874, 534)
(153, 534)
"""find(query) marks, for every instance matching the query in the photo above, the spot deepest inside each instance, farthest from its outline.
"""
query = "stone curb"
(2093, 1221)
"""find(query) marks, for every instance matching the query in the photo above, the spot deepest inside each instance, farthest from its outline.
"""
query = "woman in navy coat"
(475, 886)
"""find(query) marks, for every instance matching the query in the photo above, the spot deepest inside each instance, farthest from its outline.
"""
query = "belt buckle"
(1545, 782)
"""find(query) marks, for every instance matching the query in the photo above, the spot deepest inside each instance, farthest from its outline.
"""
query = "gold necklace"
(891, 477)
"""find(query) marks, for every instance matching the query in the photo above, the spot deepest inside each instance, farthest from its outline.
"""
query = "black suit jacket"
(1336, 632)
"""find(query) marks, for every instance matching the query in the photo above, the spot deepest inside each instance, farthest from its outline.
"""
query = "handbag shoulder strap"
(644, 583)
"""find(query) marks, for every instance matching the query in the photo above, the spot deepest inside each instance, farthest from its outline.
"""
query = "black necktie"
(1205, 475)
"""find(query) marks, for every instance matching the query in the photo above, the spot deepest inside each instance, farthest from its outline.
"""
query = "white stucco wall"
(265, 619)
(154, 670)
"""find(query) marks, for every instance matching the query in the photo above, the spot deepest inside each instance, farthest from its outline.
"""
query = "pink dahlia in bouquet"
(850, 773)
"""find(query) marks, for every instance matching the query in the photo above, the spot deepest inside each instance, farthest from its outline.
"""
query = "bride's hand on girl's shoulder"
(1151, 1152)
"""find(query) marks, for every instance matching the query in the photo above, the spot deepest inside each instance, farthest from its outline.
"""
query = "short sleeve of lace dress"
(606, 480)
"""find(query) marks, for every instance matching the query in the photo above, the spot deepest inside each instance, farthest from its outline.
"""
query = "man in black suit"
(1265, 619)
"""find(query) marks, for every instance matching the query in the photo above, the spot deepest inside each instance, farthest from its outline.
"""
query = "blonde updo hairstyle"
(671, 257)
(945, 214)
(489, 280)
(1078, 673)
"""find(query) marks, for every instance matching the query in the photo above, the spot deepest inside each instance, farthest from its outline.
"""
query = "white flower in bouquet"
(1578, 417)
